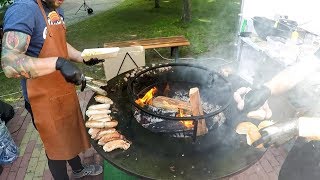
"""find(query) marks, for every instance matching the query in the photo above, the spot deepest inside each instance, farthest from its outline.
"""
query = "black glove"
(278, 133)
(71, 72)
(93, 61)
(255, 98)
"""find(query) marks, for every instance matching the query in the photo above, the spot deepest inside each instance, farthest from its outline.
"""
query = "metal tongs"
(96, 85)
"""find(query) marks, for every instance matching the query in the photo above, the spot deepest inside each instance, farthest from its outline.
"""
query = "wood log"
(197, 110)
(171, 104)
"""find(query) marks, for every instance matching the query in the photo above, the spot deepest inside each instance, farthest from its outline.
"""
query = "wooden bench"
(174, 42)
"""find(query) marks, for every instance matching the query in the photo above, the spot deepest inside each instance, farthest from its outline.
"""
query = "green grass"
(214, 23)
(212, 30)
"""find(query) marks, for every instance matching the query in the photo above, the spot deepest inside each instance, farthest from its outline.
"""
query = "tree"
(186, 12)
(157, 3)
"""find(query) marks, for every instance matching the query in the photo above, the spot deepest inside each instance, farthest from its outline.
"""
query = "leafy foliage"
(5, 2)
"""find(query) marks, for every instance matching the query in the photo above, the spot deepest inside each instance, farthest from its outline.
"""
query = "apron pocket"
(63, 109)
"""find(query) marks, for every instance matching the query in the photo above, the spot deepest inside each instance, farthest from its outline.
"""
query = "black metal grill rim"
(195, 118)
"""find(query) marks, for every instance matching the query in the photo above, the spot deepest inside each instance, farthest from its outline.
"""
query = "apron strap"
(45, 16)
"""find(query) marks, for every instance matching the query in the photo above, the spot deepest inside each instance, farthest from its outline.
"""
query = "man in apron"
(35, 49)
(303, 160)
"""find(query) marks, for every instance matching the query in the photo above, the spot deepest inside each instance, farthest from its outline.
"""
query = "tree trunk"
(157, 3)
(186, 13)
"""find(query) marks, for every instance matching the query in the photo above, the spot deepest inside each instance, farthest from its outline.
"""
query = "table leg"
(175, 52)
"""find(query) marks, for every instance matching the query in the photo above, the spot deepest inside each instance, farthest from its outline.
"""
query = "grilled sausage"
(105, 119)
(99, 107)
(104, 132)
(101, 124)
(110, 137)
(90, 112)
(98, 116)
(103, 99)
(112, 145)
(94, 132)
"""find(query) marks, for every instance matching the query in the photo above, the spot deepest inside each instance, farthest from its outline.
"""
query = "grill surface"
(218, 154)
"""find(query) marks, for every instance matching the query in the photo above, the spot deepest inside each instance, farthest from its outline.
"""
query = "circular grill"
(215, 92)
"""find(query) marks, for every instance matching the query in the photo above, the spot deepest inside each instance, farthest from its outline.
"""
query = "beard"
(53, 4)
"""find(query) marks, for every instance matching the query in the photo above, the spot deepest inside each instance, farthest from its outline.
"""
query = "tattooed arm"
(15, 63)
(74, 54)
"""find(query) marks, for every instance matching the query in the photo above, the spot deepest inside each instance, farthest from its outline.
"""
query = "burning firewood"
(197, 110)
(171, 104)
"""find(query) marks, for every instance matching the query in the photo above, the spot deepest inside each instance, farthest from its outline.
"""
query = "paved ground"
(72, 6)
(32, 163)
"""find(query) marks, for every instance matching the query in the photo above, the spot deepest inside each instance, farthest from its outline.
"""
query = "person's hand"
(71, 72)
(93, 61)
(278, 133)
(256, 98)
(245, 96)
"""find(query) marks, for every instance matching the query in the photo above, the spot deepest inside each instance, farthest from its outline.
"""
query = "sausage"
(105, 119)
(90, 112)
(267, 109)
(237, 97)
(104, 132)
(94, 132)
(99, 106)
(101, 124)
(112, 145)
(103, 99)
(110, 137)
(98, 116)
(97, 90)
(240, 104)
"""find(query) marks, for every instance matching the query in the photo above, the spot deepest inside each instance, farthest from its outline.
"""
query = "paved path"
(70, 8)
(32, 163)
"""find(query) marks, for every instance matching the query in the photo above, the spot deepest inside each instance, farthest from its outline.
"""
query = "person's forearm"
(74, 54)
(291, 76)
(309, 127)
(16, 64)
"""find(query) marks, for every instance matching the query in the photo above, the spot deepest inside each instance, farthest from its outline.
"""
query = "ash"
(145, 122)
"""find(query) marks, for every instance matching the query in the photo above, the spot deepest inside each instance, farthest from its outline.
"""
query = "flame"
(147, 98)
(188, 124)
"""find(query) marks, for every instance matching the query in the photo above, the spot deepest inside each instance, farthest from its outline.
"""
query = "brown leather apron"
(55, 104)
